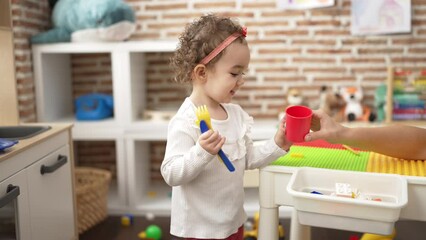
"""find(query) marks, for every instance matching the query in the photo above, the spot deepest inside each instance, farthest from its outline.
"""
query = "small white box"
(350, 214)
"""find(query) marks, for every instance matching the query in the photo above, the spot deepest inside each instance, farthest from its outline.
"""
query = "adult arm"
(397, 140)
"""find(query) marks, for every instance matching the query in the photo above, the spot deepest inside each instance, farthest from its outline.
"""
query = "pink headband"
(223, 45)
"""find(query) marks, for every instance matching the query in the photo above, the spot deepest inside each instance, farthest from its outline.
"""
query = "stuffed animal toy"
(330, 101)
(354, 110)
(294, 97)
(88, 20)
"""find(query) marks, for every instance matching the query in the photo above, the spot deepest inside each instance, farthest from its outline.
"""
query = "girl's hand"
(211, 141)
(280, 137)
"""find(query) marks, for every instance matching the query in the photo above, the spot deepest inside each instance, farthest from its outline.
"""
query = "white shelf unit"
(52, 70)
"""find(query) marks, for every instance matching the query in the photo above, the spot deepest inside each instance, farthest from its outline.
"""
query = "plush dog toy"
(354, 110)
(330, 101)
(88, 20)
(294, 97)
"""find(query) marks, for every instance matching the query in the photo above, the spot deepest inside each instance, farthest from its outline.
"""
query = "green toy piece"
(151, 232)
(380, 102)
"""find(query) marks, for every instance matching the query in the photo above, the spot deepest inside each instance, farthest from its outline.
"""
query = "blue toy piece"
(94, 106)
(69, 16)
(5, 143)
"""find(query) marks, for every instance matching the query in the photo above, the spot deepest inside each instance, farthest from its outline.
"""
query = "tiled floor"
(111, 229)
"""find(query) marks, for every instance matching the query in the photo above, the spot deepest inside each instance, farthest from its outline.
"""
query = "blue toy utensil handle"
(226, 161)
(204, 128)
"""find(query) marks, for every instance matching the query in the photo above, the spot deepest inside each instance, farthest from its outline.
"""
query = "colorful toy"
(204, 121)
(151, 232)
(321, 154)
(127, 220)
(354, 110)
(251, 229)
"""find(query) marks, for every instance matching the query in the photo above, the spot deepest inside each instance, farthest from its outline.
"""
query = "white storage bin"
(353, 214)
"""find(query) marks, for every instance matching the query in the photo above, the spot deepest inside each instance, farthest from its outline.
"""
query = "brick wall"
(299, 49)
(98, 154)
(29, 17)
(290, 49)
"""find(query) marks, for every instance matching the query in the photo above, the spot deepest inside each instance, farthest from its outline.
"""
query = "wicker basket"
(92, 186)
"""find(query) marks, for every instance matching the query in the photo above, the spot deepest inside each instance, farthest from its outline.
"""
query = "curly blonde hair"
(199, 39)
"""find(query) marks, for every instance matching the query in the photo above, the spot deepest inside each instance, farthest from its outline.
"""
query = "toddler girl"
(207, 199)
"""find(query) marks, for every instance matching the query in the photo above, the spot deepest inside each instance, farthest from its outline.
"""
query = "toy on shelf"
(330, 101)
(251, 229)
(94, 106)
(158, 115)
(95, 20)
(406, 94)
(151, 232)
(294, 97)
(420, 82)
(354, 110)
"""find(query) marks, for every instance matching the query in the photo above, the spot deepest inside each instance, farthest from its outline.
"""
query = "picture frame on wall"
(380, 17)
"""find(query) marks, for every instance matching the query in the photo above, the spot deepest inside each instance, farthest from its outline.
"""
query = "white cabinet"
(51, 199)
(42, 168)
(132, 192)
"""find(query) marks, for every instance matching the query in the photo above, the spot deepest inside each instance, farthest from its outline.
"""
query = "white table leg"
(268, 224)
(297, 230)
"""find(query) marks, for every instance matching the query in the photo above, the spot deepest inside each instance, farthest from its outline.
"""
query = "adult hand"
(324, 127)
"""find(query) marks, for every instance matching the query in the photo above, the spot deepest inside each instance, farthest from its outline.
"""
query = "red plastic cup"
(297, 122)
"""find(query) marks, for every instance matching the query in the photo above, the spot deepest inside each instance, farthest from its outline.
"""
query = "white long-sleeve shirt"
(207, 199)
